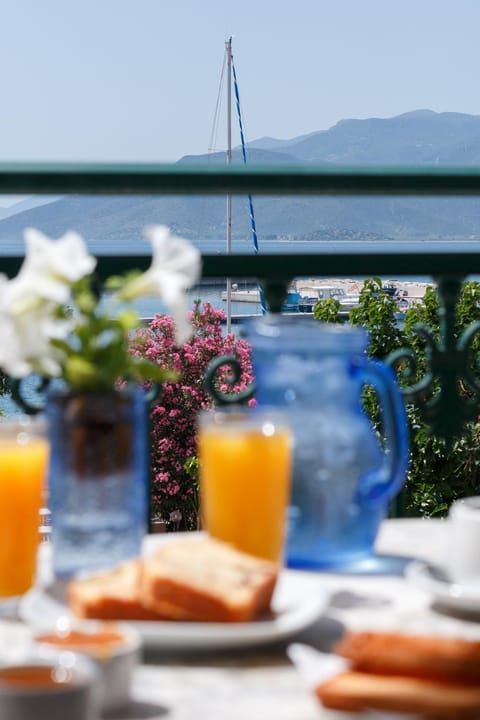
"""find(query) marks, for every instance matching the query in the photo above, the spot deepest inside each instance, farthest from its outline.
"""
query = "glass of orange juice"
(245, 457)
(23, 468)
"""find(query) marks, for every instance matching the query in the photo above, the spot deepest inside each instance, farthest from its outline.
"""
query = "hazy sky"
(137, 80)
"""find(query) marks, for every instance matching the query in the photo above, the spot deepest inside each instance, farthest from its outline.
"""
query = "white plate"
(298, 601)
(432, 579)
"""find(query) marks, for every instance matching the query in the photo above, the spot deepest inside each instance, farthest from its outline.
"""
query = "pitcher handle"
(385, 482)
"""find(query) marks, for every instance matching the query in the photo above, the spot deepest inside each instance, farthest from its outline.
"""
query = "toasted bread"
(208, 581)
(201, 580)
(110, 595)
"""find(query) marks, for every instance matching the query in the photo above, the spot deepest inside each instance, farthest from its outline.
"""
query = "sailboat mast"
(228, 47)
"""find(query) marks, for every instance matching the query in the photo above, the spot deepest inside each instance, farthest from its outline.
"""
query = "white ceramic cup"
(463, 541)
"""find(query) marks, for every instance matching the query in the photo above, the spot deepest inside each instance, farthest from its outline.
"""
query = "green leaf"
(80, 374)
(128, 320)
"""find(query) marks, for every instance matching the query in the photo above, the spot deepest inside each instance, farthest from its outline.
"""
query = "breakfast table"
(260, 682)
(252, 671)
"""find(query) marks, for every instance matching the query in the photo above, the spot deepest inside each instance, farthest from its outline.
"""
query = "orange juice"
(22, 477)
(245, 482)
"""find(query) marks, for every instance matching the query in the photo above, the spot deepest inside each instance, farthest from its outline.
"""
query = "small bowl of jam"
(54, 685)
(114, 648)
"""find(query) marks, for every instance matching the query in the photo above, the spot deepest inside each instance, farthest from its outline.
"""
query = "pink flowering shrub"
(173, 418)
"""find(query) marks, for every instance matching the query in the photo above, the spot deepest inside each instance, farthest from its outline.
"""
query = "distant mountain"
(421, 137)
(268, 143)
(257, 155)
(26, 204)
(418, 137)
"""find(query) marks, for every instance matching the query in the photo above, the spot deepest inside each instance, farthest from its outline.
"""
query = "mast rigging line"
(216, 116)
(244, 155)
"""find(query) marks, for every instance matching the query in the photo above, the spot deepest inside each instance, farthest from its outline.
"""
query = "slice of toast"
(208, 581)
(110, 595)
(353, 691)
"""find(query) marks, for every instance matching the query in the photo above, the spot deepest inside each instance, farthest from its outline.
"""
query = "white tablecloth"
(261, 683)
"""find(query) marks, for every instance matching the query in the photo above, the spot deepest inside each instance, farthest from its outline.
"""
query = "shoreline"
(307, 286)
(413, 289)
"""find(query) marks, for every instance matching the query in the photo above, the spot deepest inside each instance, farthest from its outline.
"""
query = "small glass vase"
(98, 478)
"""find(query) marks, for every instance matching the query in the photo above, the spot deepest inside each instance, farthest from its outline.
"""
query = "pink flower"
(174, 417)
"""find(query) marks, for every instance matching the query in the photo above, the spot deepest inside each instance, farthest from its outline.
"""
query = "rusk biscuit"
(411, 655)
(355, 691)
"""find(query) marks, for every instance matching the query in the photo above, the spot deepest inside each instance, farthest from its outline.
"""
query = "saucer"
(434, 580)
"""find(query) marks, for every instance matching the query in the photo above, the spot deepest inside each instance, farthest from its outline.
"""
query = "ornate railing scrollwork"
(448, 359)
(220, 397)
(448, 395)
(39, 386)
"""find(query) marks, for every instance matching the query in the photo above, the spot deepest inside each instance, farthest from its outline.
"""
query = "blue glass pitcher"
(344, 472)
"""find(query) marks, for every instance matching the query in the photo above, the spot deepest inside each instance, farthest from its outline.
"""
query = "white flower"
(25, 336)
(34, 306)
(33, 332)
(29, 302)
(52, 266)
(175, 267)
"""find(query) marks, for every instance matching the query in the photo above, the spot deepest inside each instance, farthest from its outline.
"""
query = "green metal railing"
(449, 358)
(127, 179)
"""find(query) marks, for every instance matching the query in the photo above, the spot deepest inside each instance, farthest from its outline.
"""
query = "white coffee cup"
(463, 541)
